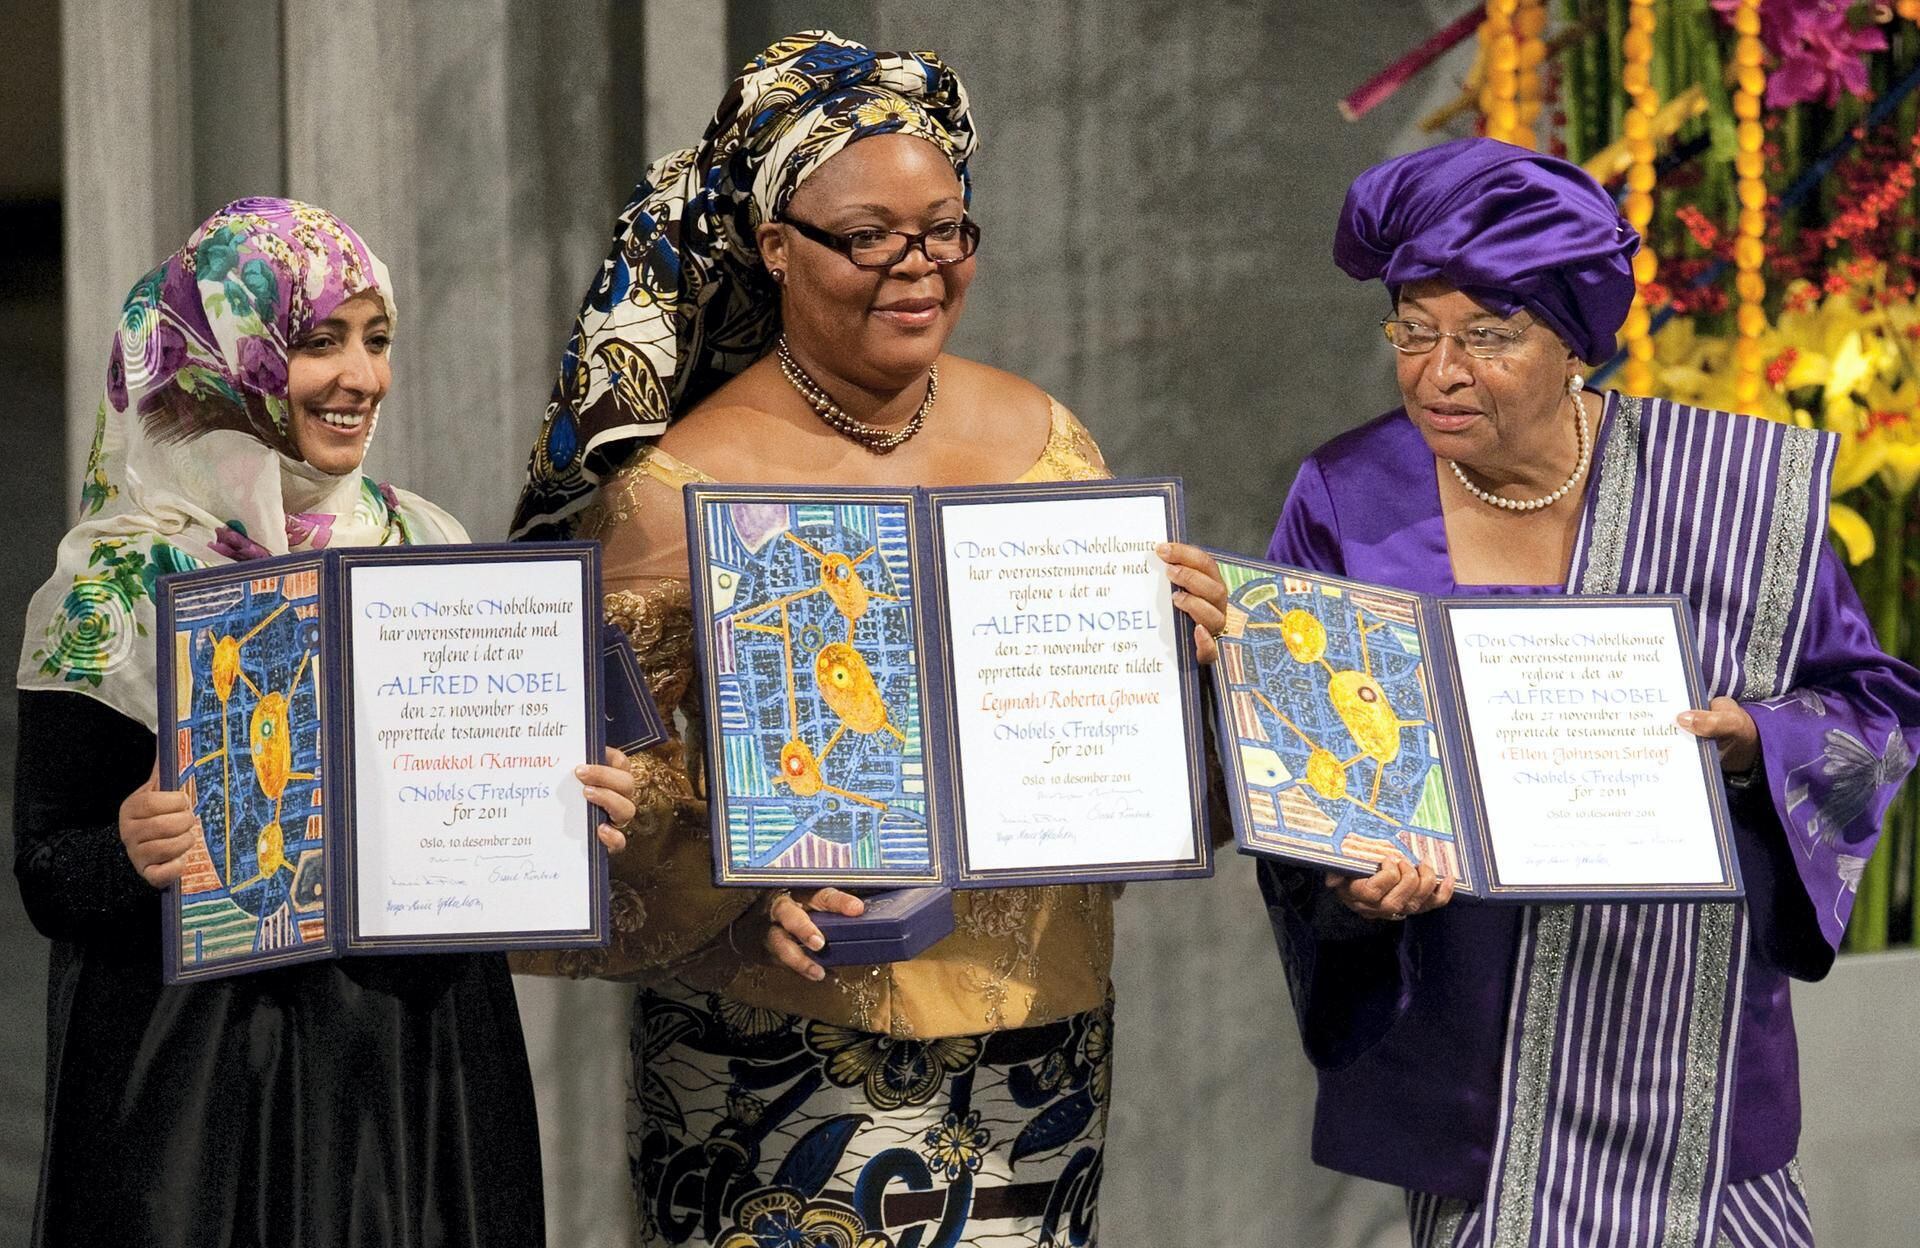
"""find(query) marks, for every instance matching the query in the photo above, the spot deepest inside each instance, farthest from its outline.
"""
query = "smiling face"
(877, 329)
(336, 377)
(1503, 416)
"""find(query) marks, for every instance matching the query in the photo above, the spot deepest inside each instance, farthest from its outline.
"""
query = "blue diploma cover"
(955, 688)
(379, 743)
(1524, 746)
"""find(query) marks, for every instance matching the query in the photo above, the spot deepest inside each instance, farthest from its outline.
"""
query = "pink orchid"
(1819, 51)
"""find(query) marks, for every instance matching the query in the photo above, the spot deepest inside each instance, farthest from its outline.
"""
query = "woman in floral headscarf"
(775, 309)
(372, 1101)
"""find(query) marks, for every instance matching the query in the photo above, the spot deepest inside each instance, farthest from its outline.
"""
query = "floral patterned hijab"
(193, 459)
(683, 303)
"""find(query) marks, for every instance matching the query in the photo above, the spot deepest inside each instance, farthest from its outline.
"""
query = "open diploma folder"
(380, 744)
(1524, 746)
(968, 687)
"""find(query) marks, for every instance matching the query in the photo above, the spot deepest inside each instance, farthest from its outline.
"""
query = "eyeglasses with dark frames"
(949, 242)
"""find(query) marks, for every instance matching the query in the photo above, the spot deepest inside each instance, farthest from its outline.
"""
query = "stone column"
(353, 94)
(473, 145)
(238, 132)
(128, 178)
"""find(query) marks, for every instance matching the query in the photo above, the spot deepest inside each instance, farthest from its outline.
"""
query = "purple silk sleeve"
(1834, 751)
(1308, 535)
(1345, 973)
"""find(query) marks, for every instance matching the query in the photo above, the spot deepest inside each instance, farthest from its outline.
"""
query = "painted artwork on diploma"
(297, 697)
(1332, 710)
(868, 723)
(812, 613)
(1524, 747)
(247, 733)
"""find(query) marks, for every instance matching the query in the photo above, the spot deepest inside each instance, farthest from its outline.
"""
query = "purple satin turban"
(1510, 227)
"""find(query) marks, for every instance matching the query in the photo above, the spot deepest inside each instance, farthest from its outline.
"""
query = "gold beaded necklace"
(875, 438)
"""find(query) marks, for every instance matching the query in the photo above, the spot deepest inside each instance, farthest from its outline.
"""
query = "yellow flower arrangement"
(1848, 362)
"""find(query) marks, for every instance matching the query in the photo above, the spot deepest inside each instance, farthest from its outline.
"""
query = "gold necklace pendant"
(875, 438)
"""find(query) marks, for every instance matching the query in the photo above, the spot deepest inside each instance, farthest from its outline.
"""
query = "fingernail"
(1163, 550)
(816, 942)
(816, 973)
(580, 771)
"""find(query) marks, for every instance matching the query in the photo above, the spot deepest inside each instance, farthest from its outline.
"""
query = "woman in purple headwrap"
(369, 1102)
(1580, 1074)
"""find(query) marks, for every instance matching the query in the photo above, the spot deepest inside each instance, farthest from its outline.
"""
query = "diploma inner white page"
(1066, 677)
(470, 715)
(1586, 778)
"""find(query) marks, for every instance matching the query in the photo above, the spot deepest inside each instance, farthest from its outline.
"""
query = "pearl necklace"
(1535, 504)
(875, 438)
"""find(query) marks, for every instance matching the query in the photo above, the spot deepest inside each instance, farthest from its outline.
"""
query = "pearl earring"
(1575, 384)
(778, 275)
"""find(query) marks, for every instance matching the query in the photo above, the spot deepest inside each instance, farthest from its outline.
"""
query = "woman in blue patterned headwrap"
(685, 301)
(775, 309)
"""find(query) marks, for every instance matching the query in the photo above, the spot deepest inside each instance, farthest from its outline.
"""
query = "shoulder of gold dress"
(1071, 453)
(619, 498)
(667, 470)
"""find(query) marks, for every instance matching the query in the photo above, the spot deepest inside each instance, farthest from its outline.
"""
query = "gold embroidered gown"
(981, 1065)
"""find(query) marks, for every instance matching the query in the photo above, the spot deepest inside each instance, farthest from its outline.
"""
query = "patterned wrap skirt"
(750, 1128)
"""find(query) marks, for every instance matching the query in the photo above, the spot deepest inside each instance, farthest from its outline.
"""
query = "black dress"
(368, 1101)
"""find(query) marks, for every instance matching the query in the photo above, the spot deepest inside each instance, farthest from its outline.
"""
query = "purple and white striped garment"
(1611, 1074)
(1622, 1025)
(1765, 1212)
